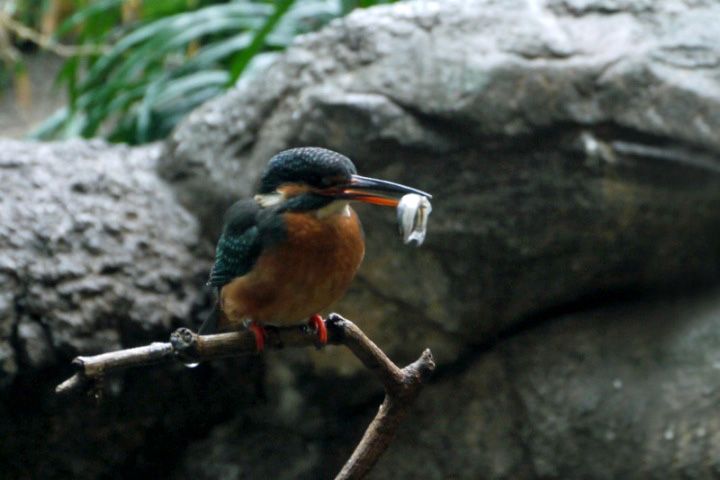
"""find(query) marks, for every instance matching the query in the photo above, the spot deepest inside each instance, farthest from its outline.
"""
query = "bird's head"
(313, 178)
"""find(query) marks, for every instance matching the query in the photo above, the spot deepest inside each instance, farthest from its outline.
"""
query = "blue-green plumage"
(239, 245)
(310, 165)
(237, 251)
(248, 229)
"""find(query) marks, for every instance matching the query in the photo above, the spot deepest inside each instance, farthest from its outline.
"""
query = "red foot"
(316, 321)
(260, 335)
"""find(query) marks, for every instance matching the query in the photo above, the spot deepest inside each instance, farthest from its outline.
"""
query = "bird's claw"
(317, 323)
(260, 335)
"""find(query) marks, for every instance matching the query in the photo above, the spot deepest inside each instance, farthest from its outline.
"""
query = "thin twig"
(46, 42)
(401, 385)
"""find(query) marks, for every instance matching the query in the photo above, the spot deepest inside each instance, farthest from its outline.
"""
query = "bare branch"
(401, 385)
(382, 429)
(47, 42)
(186, 346)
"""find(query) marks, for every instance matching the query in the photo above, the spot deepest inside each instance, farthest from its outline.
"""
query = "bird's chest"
(305, 272)
(318, 250)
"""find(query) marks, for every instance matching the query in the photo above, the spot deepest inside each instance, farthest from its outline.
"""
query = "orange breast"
(306, 273)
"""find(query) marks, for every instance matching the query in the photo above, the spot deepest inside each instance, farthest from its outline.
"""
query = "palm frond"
(170, 58)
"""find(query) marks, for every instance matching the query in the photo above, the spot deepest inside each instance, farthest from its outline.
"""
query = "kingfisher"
(293, 249)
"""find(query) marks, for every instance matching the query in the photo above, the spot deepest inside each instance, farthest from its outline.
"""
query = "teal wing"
(239, 245)
(236, 253)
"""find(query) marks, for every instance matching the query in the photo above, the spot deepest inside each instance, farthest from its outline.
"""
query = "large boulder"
(572, 153)
(96, 255)
(94, 251)
(571, 148)
(621, 391)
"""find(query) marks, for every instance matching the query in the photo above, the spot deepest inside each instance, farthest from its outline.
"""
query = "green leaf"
(158, 9)
(52, 125)
(145, 60)
(161, 92)
(215, 52)
(242, 59)
(147, 80)
(83, 15)
(185, 85)
(303, 17)
(68, 74)
(165, 35)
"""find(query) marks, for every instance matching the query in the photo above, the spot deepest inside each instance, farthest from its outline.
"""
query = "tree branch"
(47, 42)
(402, 386)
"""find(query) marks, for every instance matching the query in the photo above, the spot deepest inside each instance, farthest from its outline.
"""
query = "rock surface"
(94, 251)
(571, 149)
(622, 391)
(570, 146)
(95, 255)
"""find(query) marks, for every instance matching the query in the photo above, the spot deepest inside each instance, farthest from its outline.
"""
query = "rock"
(94, 249)
(239, 451)
(622, 391)
(570, 146)
(571, 149)
(8, 360)
(96, 255)
(472, 432)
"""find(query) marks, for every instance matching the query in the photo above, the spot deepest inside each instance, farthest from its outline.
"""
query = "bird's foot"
(317, 323)
(260, 335)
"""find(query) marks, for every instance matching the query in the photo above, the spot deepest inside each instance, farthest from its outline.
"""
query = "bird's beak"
(375, 191)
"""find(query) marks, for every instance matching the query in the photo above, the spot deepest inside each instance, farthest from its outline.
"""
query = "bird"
(292, 250)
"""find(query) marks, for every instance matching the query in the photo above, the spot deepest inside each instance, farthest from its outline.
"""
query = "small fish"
(413, 212)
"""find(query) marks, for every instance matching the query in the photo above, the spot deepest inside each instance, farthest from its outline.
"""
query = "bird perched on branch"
(294, 248)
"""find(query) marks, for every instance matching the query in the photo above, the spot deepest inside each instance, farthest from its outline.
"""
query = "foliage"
(163, 58)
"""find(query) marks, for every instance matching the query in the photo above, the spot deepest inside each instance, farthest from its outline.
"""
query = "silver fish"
(413, 212)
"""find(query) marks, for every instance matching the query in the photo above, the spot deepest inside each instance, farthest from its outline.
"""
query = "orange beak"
(375, 191)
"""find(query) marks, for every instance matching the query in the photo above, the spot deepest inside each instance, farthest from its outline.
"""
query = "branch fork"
(402, 385)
